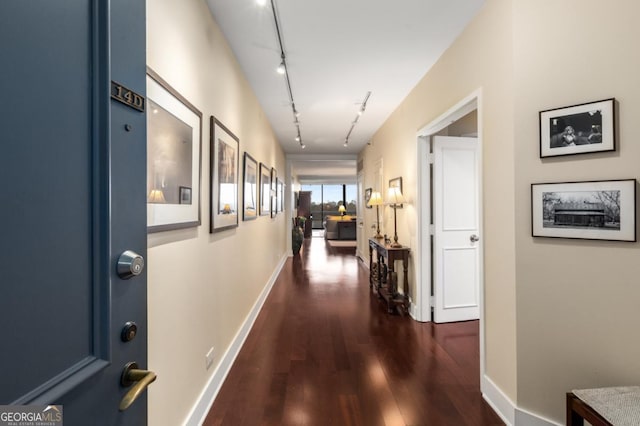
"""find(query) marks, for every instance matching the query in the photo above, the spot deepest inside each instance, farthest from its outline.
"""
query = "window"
(325, 200)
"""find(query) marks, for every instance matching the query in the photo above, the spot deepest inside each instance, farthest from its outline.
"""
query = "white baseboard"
(525, 418)
(205, 401)
(500, 402)
(507, 410)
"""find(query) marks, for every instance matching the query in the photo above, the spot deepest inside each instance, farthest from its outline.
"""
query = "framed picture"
(174, 138)
(274, 201)
(265, 190)
(224, 161)
(367, 197)
(596, 210)
(185, 195)
(250, 188)
(578, 129)
(280, 195)
(396, 183)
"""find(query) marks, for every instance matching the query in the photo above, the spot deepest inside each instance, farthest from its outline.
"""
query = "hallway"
(324, 351)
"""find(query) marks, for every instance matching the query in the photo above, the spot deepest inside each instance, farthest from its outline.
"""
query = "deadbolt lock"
(130, 264)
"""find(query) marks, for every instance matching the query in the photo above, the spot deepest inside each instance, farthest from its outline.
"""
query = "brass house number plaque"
(127, 96)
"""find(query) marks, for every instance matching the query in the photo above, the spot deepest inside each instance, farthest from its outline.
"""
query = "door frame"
(422, 303)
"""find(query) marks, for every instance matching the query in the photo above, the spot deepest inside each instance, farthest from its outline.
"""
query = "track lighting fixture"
(363, 106)
(282, 69)
(261, 2)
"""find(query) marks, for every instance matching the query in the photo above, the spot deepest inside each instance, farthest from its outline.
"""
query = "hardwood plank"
(324, 351)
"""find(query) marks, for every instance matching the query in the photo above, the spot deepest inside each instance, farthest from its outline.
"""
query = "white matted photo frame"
(367, 197)
(224, 161)
(280, 195)
(265, 190)
(578, 129)
(174, 139)
(274, 200)
(250, 188)
(591, 210)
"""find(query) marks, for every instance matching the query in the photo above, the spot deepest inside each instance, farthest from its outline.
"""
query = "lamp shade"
(156, 196)
(342, 209)
(376, 199)
(394, 196)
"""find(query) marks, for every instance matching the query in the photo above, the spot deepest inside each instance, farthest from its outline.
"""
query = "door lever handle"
(130, 375)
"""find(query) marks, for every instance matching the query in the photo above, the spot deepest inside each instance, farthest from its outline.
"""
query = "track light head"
(261, 2)
(303, 146)
(281, 68)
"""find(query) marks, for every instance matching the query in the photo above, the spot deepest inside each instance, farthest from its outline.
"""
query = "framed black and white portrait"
(578, 129)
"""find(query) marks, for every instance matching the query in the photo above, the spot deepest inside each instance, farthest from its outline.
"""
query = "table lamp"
(394, 199)
(342, 209)
(376, 200)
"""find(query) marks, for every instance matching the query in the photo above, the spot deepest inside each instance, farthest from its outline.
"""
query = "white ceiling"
(337, 51)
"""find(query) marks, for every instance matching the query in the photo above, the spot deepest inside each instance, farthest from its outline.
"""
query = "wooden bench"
(619, 406)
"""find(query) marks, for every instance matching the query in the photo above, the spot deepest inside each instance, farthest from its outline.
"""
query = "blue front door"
(72, 166)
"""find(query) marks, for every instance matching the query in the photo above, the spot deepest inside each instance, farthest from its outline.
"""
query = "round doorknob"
(474, 238)
(130, 264)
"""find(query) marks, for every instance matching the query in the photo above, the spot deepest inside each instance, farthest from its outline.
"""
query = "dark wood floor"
(324, 351)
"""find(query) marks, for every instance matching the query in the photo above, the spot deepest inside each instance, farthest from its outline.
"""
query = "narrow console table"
(382, 275)
(619, 406)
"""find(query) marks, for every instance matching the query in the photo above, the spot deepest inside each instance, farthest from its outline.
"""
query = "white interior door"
(456, 254)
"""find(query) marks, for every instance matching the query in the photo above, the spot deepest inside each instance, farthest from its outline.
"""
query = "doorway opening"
(442, 157)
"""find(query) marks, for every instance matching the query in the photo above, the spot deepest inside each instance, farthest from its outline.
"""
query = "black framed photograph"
(592, 210)
(250, 188)
(274, 200)
(280, 195)
(224, 165)
(367, 197)
(174, 138)
(396, 183)
(185, 195)
(578, 129)
(265, 190)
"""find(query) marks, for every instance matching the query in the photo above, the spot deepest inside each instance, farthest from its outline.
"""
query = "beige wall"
(201, 286)
(577, 310)
(481, 58)
(574, 302)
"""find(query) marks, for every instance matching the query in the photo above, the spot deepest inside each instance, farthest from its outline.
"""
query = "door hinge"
(432, 229)
(432, 301)
(431, 158)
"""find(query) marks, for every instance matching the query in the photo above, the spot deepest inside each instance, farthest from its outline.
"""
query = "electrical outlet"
(209, 358)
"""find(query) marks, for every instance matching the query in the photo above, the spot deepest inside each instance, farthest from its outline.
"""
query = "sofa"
(339, 228)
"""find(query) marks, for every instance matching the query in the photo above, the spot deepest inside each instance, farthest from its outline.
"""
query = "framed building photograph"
(265, 190)
(595, 210)
(367, 197)
(174, 138)
(224, 165)
(250, 188)
(396, 183)
(578, 129)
